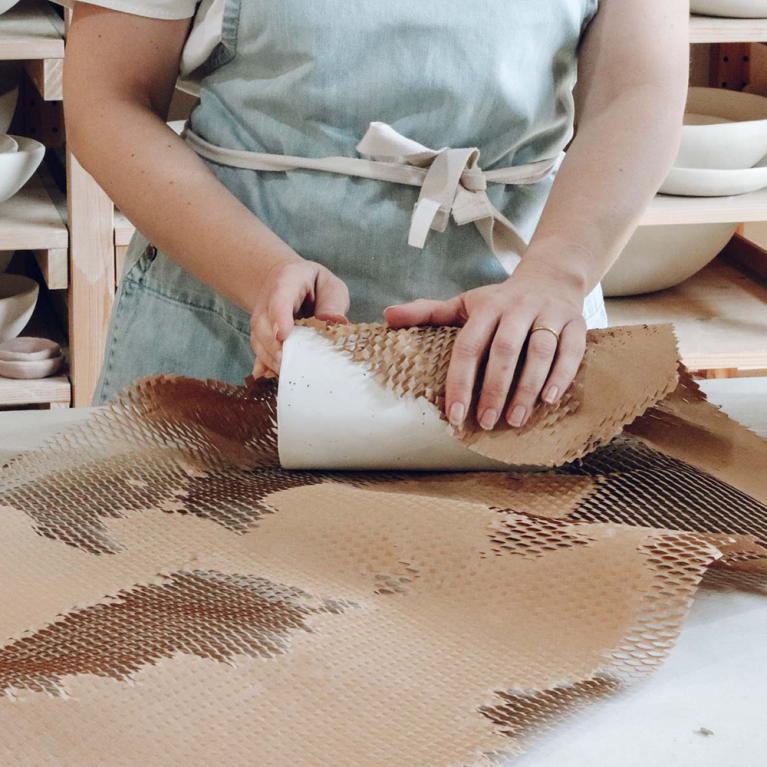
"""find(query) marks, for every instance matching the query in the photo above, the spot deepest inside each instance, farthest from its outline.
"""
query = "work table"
(704, 707)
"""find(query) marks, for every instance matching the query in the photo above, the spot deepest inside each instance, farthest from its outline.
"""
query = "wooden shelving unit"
(720, 314)
(709, 29)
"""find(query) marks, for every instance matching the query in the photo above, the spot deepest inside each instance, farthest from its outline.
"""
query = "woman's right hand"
(295, 288)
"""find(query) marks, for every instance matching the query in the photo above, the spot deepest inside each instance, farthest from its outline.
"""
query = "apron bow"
(454, 184)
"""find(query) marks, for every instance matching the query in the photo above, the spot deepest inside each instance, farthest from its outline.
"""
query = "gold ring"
(548, 330)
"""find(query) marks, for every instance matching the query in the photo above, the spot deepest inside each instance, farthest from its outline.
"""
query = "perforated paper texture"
(172, 596)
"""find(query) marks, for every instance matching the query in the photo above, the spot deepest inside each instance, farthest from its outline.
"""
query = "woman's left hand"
(497, 321)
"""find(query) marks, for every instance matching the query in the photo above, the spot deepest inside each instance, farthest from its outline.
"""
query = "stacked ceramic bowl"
(30, 358)
(736, 9)
(723, 153)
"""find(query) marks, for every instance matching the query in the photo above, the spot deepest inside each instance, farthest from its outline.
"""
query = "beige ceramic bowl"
(742, 9)
(660, 257)
(28, 349)
(30, 369)
(18, 297)
(724, 129)
(16, 168)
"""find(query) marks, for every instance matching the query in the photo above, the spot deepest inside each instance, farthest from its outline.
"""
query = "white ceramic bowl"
(18, 296)
(742, 9)
(6, 5)
(16, 168)
(10, 73)
(705, 182)
(725, 129)
(659, 257)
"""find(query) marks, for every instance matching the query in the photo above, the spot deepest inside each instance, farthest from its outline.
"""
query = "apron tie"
(451, 180)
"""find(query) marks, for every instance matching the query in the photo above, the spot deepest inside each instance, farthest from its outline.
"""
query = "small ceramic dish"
(30, 369)
(27, 349)
(659, 257)
(18, 297)
(723, 129)
(707, 182)
(738, 9)
(16, 168)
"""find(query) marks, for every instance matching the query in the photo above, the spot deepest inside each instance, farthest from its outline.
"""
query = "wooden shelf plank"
(666, 209)
(31, 30)
(31, 220)
(720, 316)
(55, 391)
(710, 29)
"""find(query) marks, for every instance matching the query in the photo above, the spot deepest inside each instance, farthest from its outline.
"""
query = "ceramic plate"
(743, 9)
(703, 182)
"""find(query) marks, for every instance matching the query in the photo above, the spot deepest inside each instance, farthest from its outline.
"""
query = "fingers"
(470, 349)
(332, 302)
(426, 312)
(572, 346)
(265, 346)
(501, 366)
(549, 369)
(541, 350)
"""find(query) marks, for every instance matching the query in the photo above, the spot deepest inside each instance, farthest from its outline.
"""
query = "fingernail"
(517, 416)
(551, 395)
(275, 330)
(457, 413)
(489, 419)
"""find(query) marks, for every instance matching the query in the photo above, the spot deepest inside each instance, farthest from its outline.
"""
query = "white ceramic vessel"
(742, 9)
(707, 182)
(6, 5)
(18, 297)
(724, 129)
(16, 168)
(659, 257)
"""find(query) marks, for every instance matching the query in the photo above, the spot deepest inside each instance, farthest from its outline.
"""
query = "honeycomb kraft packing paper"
(173, 596)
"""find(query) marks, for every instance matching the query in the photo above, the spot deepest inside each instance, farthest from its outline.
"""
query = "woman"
(252, 226)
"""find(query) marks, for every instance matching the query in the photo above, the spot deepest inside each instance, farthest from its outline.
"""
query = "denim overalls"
(306, 80)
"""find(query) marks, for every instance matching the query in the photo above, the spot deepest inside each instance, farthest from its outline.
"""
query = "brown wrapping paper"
(172, 596)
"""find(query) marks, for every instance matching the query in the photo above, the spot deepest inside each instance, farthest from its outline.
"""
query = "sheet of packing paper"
(173, 596)
(365, 397)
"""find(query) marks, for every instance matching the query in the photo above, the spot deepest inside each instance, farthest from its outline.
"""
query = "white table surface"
(715, 680)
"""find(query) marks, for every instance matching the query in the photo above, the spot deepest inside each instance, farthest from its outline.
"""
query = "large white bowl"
(18, 296)
(10, 72)
(736, 133)
(706, 182)
(8, 143)
(742, 9)
(6, 5)
(659, 257)
(16, 168)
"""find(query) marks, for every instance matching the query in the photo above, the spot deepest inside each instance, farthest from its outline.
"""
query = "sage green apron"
(408, 146)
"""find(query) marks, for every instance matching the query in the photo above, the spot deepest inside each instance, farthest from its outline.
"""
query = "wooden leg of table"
(92, 278)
